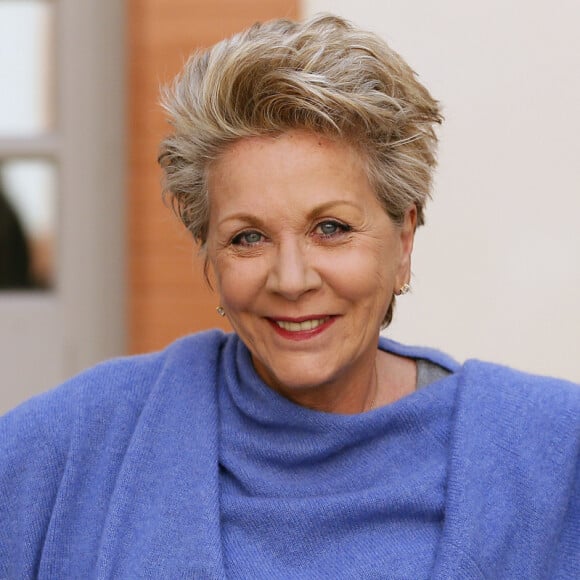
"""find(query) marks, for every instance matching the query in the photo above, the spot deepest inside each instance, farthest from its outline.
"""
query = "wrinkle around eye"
(340, 229)
(248, 239)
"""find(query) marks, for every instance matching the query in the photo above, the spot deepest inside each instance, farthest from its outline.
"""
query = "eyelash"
(238, 239)
(341, 228)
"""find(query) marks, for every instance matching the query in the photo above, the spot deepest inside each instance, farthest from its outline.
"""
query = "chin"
(296, 377)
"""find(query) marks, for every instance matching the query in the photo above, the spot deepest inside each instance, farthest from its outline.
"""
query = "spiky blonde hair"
(323, 75)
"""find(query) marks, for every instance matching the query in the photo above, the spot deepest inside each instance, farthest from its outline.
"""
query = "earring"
(220, 310)
(404, 289)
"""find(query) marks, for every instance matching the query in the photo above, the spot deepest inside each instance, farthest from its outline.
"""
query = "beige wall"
(497, 269)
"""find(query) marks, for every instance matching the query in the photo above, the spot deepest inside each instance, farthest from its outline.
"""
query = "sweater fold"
(183, 464)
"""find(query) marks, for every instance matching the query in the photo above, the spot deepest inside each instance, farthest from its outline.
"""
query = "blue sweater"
(183, 464)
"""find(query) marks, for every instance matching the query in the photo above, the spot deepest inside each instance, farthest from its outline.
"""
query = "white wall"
(497, 268)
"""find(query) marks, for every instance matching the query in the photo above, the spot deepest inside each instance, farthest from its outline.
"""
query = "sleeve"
(566, 563)
(33, 447)
(81, 427)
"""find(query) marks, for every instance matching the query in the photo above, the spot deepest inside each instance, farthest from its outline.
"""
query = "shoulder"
(73, 442)
(515, 449)
(515, 417)
(505, 388)
(497, 385)
(114, 388)
(526, 413)
(530, 415)
(419, 352)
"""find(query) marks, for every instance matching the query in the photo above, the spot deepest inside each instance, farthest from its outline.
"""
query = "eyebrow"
(316, 211)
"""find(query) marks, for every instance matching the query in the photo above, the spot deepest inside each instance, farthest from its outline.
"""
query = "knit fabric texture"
(306, 494)
(183, 464)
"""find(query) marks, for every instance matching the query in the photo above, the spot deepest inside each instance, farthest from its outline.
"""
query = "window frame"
(47, 335)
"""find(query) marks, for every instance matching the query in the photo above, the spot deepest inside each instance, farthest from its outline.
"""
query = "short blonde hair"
(323, 75)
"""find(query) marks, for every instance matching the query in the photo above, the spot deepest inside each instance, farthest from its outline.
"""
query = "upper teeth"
(296, 326)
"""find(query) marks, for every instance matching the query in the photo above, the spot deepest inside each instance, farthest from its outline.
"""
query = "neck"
(350, 393)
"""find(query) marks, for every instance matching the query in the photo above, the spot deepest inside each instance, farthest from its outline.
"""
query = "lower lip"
(302, 334)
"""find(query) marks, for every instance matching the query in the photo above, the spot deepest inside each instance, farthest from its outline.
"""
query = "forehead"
(289, 148)
(298, 168)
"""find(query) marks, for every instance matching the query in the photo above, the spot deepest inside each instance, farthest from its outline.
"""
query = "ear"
(406, 238)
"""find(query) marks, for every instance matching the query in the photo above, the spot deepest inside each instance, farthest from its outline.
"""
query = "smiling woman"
(303, 445)
(294, 217)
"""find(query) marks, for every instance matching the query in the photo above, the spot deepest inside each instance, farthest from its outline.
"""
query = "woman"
(303, 445)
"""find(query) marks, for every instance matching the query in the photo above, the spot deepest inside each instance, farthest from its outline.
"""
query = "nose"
(292, 274)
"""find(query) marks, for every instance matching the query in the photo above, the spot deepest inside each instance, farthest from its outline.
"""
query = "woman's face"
(306, 260)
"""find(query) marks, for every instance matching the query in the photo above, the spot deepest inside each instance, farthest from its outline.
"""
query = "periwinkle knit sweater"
(183, 464)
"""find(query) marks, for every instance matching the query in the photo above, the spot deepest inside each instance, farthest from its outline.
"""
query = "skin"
(296, 232)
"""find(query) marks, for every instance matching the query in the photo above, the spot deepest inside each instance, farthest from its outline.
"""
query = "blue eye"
(330, 228)
(249, 238)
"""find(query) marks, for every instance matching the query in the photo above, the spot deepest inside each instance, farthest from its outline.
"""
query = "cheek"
(367, 273)
(238, 283)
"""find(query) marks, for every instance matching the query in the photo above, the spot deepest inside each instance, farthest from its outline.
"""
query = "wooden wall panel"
(167, 294)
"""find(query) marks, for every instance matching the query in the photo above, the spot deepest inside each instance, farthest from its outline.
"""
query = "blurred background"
(92, 265)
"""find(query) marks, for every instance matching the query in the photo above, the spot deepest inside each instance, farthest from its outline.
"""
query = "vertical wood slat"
(167, 294)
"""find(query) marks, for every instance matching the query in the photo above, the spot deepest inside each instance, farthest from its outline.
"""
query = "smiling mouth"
(301, 326)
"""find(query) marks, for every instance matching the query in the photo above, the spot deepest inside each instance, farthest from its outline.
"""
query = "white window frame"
(46, 336)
